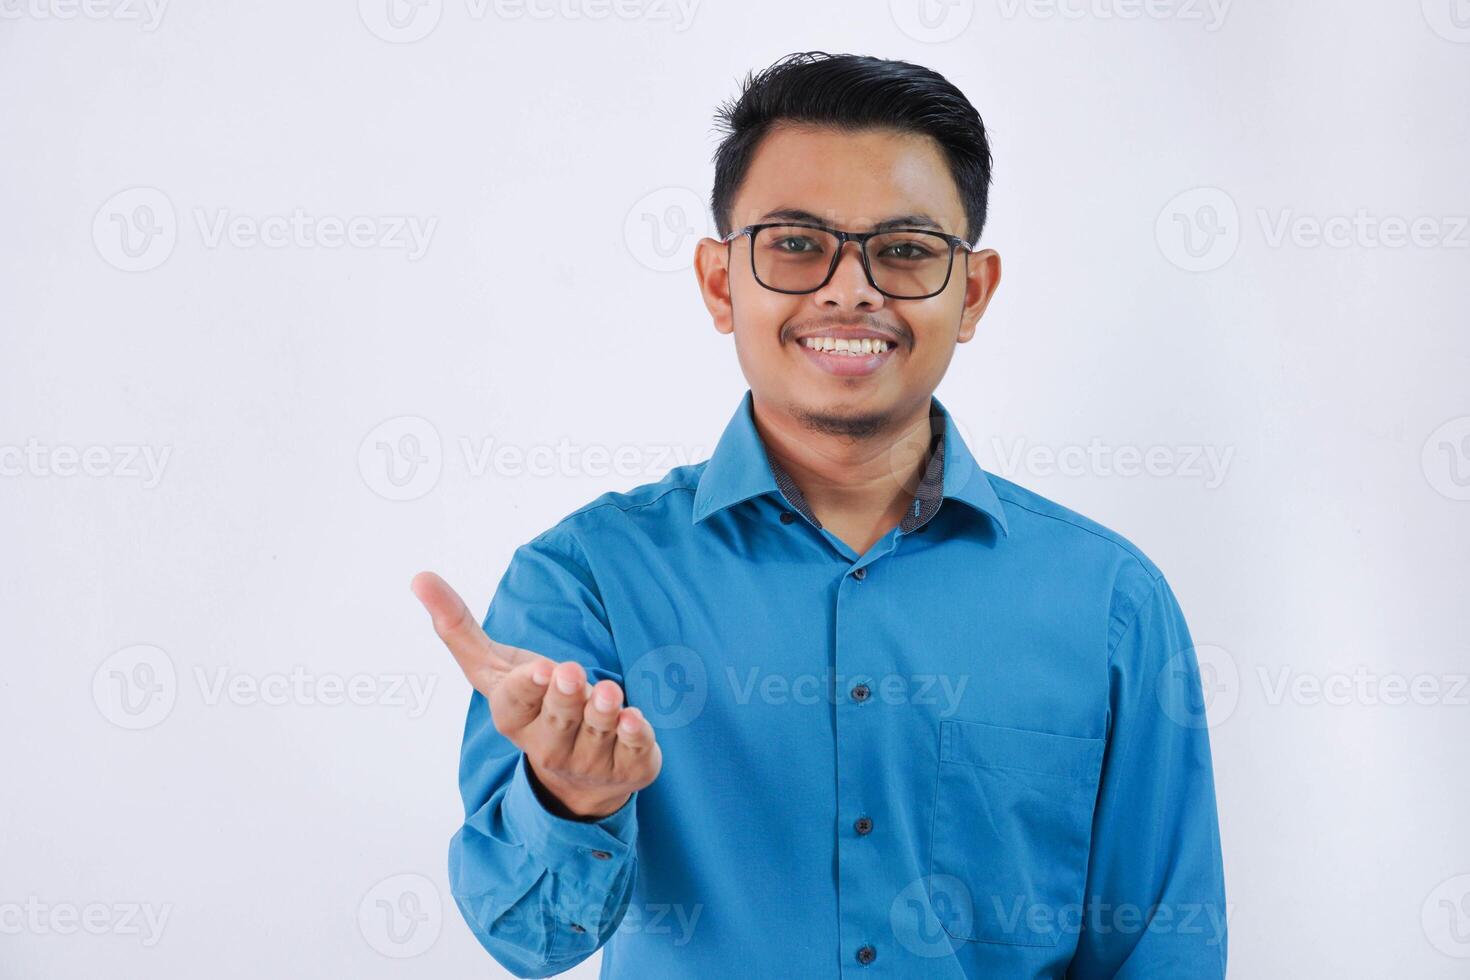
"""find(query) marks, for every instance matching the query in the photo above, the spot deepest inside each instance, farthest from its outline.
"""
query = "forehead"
(850, 179)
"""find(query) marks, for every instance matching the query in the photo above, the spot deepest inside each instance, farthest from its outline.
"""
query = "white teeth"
(843, 345)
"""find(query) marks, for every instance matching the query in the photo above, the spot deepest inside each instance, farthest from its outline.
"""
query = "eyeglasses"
(901, 263)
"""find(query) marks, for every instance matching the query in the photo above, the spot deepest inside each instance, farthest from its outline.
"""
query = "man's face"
(851, 181)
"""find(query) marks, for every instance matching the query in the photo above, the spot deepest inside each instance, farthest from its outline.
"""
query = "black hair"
(851, 92)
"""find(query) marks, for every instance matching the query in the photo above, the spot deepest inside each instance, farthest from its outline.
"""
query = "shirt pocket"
(1012, 832)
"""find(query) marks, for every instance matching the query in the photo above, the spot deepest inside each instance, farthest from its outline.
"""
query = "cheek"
(759, 316)
(935, 335)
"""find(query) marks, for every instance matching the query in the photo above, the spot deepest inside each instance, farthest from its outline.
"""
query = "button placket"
(857, 859)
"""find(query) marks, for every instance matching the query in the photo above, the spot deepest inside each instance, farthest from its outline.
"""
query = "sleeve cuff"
(590, 852)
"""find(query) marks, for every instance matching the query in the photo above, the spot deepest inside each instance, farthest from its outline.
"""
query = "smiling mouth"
(851, 347)
(848, 357)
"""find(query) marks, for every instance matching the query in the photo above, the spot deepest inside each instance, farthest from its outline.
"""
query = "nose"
(849, 287)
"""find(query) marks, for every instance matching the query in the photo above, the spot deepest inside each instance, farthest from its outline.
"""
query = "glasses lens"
(906, 264)
(909, 263)
(793, 258)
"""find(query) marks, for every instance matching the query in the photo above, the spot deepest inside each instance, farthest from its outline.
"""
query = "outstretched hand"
(585, 748)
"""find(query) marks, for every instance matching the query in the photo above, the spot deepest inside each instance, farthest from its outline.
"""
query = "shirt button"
(860, 574)
(787, 517)
(866, 955)
(861, 692)
(601, 855)
(863, 825)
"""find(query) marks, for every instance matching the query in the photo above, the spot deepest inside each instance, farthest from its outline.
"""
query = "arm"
(526, 879)
(1155, 899)
(550, 768)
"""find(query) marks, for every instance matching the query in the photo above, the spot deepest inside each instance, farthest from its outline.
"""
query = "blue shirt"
(976, 750)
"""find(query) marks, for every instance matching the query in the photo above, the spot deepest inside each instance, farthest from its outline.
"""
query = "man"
(888, 715)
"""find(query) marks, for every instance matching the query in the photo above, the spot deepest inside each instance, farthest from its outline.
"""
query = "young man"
(888, 715)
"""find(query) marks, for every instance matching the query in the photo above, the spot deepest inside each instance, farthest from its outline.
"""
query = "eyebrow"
(915, 220)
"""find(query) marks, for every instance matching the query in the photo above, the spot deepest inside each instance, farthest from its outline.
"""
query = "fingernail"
(604, 701)
(565, 685)
(627, 727)
(541, 675)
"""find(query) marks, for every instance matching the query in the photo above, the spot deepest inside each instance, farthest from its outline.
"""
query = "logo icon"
(1204, 698)
(135, 230)
(1446, 459)
(1446, 917)
(1450, 19)
(669, 685)
(1199, 230)
(662, 228)
(932, 21)
(400, 21)
(928, 911)
(402, 458)
(136, 687)
(401, 916)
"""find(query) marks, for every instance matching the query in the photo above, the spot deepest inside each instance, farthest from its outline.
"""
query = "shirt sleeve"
(1155, 900)
(540, 892)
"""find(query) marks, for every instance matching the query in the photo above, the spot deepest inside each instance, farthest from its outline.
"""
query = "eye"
(795, 245)
(907, 251)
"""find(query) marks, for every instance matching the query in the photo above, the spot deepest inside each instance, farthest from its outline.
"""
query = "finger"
(514, 656)
(561, 710)
(593, 752)
(636, 757)
(516, 701)
(460, 632)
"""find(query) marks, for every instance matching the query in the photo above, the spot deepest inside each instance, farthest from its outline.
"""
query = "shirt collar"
(740, 469)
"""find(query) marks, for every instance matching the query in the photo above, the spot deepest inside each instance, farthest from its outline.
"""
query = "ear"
(712, 269)
(982, 276)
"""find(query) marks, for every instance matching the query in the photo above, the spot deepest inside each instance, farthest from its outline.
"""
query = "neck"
(861, 483)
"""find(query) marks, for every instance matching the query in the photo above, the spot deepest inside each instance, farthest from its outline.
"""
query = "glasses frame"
(843, 237)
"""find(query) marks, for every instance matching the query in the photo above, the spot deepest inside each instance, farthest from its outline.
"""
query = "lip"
(848, 365)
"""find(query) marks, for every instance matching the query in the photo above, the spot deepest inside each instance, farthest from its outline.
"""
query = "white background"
(540, 144)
